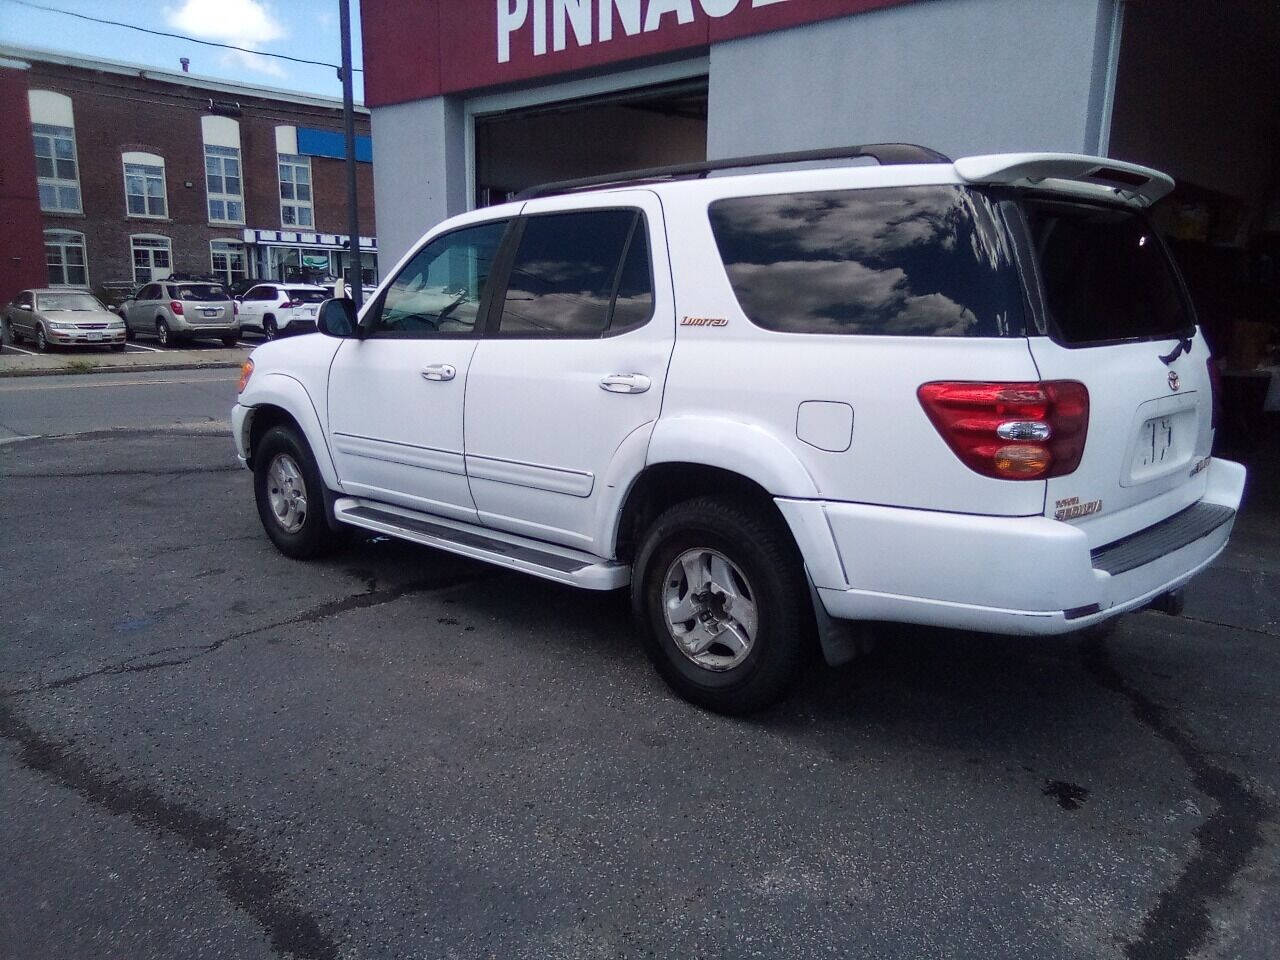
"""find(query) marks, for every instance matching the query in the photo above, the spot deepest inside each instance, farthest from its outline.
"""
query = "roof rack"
(884, 153)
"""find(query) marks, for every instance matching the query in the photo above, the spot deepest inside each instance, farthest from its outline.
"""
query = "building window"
(295, 191)
(152, 258)
(56, 168)
(226, 192)
(228, 260)
(64, 253)
(144, 187)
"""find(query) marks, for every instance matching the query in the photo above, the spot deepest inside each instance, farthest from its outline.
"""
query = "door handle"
(626, 383)
(439, 371)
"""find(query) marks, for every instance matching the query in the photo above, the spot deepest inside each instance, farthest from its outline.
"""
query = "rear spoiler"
(1070, 172)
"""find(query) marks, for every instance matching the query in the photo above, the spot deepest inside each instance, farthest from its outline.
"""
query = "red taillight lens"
(290, 304)
(176, 307)
(1215, 392)
(1011, 431)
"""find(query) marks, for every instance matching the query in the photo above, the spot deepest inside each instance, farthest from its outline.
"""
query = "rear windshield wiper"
(1184, 346)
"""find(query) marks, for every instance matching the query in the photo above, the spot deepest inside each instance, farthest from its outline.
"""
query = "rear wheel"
(163, 335)
(289, 494)
(269, 328)
(721, 604)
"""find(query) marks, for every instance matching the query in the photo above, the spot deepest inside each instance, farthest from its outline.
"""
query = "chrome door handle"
(439, 371)
(626, 383)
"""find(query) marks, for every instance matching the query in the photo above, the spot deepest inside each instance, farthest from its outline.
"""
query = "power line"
(180, 36)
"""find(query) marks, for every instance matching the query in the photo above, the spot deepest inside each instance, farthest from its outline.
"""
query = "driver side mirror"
(337, 318)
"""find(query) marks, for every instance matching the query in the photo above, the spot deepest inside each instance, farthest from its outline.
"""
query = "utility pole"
(355, 285)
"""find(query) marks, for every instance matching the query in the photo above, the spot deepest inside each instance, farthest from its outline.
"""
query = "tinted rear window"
(1106, 274)
(903, 261)
(202, 291)
(307, 296)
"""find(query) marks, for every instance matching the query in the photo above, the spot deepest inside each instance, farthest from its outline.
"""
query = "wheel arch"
(276, 399)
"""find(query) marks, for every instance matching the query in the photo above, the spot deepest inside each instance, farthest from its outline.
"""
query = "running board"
(545, 560)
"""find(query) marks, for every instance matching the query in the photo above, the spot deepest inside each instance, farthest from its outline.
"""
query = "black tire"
(760, 546)
(230, 341)
(128, 332)
(42, 340)
(118, 347)
(269, 328)
(163, 335)
(314, 538)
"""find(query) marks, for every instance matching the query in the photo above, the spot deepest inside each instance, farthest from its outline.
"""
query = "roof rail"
(884, 153)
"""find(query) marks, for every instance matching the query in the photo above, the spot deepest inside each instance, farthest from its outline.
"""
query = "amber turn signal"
(246, 371)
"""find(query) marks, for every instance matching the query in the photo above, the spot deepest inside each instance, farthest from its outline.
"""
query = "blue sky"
(299, 28)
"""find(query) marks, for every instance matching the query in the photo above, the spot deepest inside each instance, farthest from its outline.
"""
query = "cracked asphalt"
(212, 751)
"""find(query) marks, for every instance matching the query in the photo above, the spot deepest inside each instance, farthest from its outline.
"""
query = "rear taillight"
(1215, 393)
(1011, 431)
(290, 304)
(176, 307)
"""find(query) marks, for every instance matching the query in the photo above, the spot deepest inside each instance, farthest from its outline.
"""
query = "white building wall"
(961, 76)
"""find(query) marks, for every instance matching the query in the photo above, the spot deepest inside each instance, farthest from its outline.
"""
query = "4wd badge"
(1072, 509)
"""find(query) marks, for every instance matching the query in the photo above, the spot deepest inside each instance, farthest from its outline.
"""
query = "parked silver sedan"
(57, 318)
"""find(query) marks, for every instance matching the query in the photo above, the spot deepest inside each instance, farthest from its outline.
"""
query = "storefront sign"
(422, 48)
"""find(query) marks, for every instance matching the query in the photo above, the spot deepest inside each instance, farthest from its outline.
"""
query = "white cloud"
(253, 61)
(248, 23)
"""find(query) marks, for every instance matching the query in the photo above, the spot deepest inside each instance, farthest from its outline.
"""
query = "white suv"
(279, 309)
(782, 404)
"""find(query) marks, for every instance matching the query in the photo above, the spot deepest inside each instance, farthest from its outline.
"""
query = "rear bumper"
(1014, 575)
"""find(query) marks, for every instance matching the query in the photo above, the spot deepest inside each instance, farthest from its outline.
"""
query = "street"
(213, 751)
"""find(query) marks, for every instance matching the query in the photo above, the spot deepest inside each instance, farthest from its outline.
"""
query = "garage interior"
(644, 127)
(1195, 96)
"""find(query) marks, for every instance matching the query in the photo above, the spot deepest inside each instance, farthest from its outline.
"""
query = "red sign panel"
(422, 48)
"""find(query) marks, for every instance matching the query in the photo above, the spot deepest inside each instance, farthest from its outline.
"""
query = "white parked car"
(969, 394)
(279, 309)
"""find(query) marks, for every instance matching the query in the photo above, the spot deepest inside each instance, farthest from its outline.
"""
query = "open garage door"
(643, 127)
(1195, 96)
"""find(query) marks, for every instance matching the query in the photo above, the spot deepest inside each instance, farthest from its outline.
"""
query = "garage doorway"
(625, 130)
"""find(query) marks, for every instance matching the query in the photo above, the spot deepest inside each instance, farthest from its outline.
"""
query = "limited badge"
(704, 322)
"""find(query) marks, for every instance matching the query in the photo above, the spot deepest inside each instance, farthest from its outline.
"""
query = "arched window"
(57, 171)
(224, 184)
(145, 194)
(152, 257)
(228, 260)
(65, 255)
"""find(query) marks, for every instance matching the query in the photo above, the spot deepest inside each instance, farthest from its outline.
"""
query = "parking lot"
(133, 346)
(212, 751)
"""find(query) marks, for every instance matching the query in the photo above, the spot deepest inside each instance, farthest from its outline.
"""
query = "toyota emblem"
(1173, 380)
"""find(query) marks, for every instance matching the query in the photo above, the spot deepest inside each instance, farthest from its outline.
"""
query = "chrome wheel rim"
(162, 334)
(287, 493)
(710, 609)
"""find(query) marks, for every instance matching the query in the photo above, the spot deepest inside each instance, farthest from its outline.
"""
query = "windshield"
(203, 291)
(67, 301)
(1106, 274)
(307, 296)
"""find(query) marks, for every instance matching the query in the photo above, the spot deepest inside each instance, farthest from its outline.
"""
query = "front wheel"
(289, 495)
(722, 605)
(42, 340)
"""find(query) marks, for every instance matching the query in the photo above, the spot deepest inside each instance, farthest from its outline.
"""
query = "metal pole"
(356, 286)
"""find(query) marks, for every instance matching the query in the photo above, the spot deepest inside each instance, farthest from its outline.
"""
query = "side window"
(25, 301)
(569, 268)
(438, 292)
(149, 292)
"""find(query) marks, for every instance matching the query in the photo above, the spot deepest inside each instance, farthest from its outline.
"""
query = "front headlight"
(115, 323)
(61, 325)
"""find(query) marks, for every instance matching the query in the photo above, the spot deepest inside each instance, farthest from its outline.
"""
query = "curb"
(124, 368)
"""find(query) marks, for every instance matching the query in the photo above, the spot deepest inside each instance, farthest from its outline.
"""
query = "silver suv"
(182, 310)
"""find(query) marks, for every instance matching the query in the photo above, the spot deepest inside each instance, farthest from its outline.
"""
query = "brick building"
(139, 173)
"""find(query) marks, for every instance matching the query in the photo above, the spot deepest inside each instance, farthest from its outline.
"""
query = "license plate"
(1154, 441)
(94, 336)
(211, 313)
(311, 311)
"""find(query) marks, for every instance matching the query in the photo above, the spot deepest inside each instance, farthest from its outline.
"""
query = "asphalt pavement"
(210, 750)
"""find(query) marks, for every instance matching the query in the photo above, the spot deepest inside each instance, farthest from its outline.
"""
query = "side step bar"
(545, 560)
